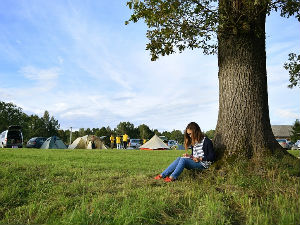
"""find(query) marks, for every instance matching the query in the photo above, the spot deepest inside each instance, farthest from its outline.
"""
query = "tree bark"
(243, 127)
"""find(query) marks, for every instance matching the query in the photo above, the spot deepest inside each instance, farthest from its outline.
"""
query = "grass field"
(295, 153)
(117, 187)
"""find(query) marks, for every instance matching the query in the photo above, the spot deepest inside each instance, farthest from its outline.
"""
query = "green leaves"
(295, 133)
(10, 114)
(294, 69)
(287, 8)
(32, 125)
(175, 25)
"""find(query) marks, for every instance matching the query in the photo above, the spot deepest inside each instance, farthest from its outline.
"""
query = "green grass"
(295, 153)
(117, 187)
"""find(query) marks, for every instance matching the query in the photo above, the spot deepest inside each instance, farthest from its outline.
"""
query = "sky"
(78, 60)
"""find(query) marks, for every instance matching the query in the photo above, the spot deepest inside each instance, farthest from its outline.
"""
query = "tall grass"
(117, 187)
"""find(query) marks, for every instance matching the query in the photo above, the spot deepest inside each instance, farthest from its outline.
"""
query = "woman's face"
(189, 133)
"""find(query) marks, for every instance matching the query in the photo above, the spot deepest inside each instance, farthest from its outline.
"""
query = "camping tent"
(85, 142)
(53, 142)
(155, 143)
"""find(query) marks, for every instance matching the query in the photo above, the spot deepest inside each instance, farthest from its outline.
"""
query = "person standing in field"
(112, 141)
(125, 139)
(118, 142)
(93, 142)
(144, 141)
(201, 158)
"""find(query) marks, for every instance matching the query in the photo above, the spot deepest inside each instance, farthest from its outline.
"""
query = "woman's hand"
(197, 159)
(186, 155)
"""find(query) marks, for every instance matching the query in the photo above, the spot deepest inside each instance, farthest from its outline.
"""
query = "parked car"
(11, 138)
(290, 144)
(283, 143)
(135, 143)
(35, 142)
(297, 144)
(164, 139)
(172, 143)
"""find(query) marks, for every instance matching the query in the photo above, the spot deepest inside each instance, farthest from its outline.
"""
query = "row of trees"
(141, 132)
(32, 125)
(46, 126)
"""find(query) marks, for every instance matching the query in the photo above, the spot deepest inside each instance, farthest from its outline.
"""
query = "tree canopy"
(293, 66)
(295, 133)
(145, 132)
(176, 25)
(47, 125)
(32, 126)
(10, 114)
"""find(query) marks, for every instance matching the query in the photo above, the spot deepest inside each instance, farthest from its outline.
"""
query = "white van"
(11, 138)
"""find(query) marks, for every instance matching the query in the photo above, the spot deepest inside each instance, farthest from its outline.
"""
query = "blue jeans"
(176, 167)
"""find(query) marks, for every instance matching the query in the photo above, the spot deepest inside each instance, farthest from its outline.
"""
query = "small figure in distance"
(93, 142)
(125, 139)
(118, 142)
(201, 158)
(112, 141)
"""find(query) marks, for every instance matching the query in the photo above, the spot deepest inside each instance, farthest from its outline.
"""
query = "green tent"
(54, 143)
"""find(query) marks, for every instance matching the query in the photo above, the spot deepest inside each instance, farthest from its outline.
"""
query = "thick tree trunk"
(243, 126)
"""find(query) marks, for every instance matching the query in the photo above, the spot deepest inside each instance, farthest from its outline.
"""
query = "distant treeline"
(46, 126)
(141, 132)
(32, 126)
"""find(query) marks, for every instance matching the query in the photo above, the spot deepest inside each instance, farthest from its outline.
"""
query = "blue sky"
(79, 61)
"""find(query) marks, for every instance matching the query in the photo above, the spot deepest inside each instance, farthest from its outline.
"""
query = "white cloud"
(33, 73)
(288, 113)
(117, 76)
(282, 48)
(6, 94)
(60, 60)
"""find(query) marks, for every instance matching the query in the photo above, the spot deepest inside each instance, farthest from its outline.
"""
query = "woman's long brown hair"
(196, 136)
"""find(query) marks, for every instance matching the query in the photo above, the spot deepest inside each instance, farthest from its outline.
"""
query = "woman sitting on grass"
(201, 158)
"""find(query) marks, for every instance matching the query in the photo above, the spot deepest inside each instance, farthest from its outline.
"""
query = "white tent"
(54, 143)
(155, 143)
(78, 143)
(85, 142)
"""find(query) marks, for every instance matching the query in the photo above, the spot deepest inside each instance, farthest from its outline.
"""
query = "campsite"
(151, 112)
(78, 184)
(64, 186)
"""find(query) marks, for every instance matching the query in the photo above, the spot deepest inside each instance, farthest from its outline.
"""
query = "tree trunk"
(243, 126)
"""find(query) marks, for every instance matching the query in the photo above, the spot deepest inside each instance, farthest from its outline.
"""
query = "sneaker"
(158, 177)
(168, 179)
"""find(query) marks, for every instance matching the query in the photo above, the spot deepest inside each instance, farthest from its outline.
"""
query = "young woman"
(201, 158)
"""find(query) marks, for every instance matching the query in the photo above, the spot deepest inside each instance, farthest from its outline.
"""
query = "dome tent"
(79, 143)
(155, 143)
(53, 142)
(85, 142)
